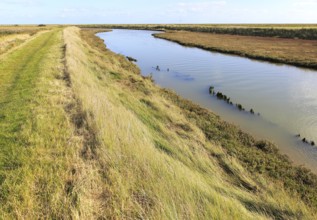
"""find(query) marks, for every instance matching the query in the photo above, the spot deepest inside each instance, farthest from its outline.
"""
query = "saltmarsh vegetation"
(293, 31)
(9, 30)
(85, 136)
(11, 37)
(302, 53)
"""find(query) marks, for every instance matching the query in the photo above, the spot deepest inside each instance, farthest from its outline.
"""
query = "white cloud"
(74, 12)
(305, 3)
(20, 2)
(91, 12)
(202, 7)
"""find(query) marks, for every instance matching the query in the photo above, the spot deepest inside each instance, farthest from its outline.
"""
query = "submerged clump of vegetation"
(240, 107)
(131, 59)
(305, 140)
(227, 99)
(157, 68)
(212, 90)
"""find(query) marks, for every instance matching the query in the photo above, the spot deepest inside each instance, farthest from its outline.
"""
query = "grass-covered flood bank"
(86, 136)
(258, 158)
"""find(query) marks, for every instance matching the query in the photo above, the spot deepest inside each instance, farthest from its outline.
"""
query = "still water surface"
(285, 96)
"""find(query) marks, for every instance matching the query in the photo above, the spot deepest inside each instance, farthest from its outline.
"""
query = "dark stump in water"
(131, 59)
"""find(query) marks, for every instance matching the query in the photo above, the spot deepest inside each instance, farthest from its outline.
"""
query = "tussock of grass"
(11, 41)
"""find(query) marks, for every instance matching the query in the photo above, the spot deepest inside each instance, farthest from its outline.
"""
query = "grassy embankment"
(296, 52)
(84, 135)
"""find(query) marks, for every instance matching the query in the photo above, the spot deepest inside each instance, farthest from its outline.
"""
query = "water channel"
(285, 96)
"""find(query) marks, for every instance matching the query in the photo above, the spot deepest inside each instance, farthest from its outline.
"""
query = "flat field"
(282, 50)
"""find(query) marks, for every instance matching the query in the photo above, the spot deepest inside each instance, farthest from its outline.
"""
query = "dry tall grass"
(149, 160)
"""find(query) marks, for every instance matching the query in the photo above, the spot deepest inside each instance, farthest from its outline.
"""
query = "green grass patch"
(35, 164)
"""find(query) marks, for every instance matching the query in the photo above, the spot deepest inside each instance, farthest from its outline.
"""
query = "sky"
(154, 12)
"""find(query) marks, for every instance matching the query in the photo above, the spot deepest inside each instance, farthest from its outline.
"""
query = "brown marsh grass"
(290, 51)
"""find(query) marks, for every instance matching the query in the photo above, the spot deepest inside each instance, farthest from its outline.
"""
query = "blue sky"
(161, 11)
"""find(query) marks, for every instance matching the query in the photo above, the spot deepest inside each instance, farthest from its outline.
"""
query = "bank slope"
(159, 156)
